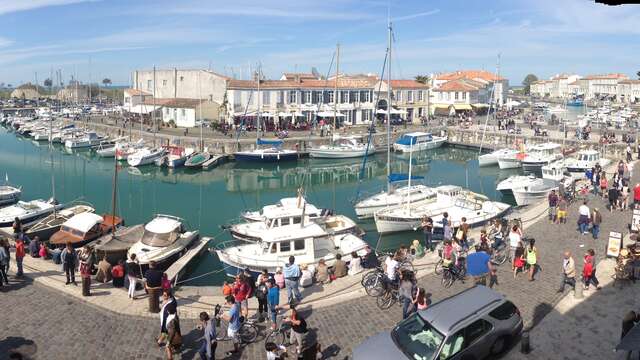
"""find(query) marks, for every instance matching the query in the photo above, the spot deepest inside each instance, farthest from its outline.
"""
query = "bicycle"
(405, 264)
(279, 336)
(390, 296)
(373, 282)
(248, 331)
(453, 272)
(500, 254)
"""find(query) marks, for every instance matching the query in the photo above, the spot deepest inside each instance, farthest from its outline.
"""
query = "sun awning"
(142, 109)
(284, 114)
(480, 105)
(393, 111)
(462, 107)
(329, 114)
(266, 114)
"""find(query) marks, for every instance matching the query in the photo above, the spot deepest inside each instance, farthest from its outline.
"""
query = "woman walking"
(589, 270)
(174, 337)
(133, 272)
(532, 258)
(85, 270)
(406, 291)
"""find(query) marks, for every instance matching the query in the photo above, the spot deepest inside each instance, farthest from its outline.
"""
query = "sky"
(96, 39)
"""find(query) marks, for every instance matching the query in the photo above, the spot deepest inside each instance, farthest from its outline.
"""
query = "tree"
(423, 79)
(106, 82)
(527, 83)
(638, 73)
(48, 82)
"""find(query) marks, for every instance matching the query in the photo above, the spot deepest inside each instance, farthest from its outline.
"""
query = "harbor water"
(208, 200)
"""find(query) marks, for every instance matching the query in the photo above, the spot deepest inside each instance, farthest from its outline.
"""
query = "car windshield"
(158, 240)
(417, 338)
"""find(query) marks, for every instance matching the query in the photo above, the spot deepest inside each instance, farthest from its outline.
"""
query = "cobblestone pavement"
(53, 326)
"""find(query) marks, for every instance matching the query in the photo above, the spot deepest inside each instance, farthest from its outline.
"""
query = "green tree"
(423, 79)
(527, 83)
(106, 81)
(638, 73)
(48, 82)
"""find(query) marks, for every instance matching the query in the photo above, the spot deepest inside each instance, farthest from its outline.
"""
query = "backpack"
(261, 292)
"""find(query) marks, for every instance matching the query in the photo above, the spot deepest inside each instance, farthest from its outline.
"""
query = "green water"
(210, 199)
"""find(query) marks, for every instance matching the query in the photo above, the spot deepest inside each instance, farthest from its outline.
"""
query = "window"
(251, 97)
(420, 95)
(456, 95)
(504, 311)
(410, 96)
(355, 96)
(317, 97)
(420, 112)
(293, 97)
(266, 97)
(149, 84)
(417, 338)
(284, 221)
(364, 96)
(285, 246)
(181, 78)
(329, 97)
(453, 345)
(298, 245)
(164, 82)
(475, 331)
(166, 111)
(344, 97)
(280, 97)
(183, 112)
(366, 115)
(274, 248)
(297, 220)
(307, 97)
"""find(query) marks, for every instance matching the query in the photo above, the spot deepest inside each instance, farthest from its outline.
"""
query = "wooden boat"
(49, 225)
(116, 244)
(83, 228)
(197, 160)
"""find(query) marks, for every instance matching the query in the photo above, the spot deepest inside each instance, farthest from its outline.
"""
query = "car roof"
(446, 314)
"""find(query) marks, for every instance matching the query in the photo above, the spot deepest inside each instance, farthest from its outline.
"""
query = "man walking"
(479, 266)
(292, 280)
(568, 272)
(596, 220)
(553, 204)
(583, 220)
(207, 350)
(69, 264)
(20, 253)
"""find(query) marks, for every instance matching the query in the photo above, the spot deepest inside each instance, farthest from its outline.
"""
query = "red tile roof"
(606, 76)
(460, 85)
(630, 81)
(407, 84)
(136, 92)
(292, 76)
(303, 84)
(469, 74)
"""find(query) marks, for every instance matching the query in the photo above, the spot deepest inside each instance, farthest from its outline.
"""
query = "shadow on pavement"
(17, 345)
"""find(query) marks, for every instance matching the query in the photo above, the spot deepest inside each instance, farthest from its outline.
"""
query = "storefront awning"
(142, 109)
(440, 106)
(462, 107)
(329, 114)
(480, 105)
(393, 111)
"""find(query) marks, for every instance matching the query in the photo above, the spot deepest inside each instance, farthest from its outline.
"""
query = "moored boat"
(49, 225)
(418, 141)
(83, 228)
(27, 211)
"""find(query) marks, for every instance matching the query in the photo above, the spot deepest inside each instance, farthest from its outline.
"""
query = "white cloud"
(415, 16)
(10, 6)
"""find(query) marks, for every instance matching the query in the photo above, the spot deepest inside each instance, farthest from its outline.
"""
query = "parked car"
(473, 324)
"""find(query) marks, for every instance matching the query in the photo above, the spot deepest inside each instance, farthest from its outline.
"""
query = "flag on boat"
(403, 177)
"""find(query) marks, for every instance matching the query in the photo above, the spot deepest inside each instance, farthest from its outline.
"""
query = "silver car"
(473, 324)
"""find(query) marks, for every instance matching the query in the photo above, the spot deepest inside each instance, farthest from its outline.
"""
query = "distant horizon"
(542, 37)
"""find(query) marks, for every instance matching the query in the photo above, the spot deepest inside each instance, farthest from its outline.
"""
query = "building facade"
(409, 97)
(488, 80)
(460, 95)
(186, 113)
(181, 84)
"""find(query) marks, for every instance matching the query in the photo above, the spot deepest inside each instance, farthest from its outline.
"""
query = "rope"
(199, 276)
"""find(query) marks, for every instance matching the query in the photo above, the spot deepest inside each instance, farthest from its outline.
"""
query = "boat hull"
(338, 154)
(509, 163)
(436, 143)
(265, 158)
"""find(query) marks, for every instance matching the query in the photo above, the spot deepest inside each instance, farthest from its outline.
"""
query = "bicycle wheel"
(248, 333)
(374, 285)
(447, 279)
(438, 267)
(500, 257)
(406, 266)
(277, 337)
(385, 301)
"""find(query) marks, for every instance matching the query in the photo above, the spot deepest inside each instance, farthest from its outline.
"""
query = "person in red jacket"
(241, 290)
(636, 195)
(20, 252)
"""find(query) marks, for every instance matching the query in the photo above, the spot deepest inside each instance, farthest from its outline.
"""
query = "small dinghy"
(197, 160)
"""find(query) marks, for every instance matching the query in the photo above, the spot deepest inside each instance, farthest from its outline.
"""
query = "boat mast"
(335, 92)
(113, 198)
(259, 117)
(493, 95)
(200, 112)
(409, 180)
(153, 116)
(389, 106)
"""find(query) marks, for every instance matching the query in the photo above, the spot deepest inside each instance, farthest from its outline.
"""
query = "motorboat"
(115, 245)
(197, 160)
(145, 156)
(558, 109)
(411, 193)
(540, 155)
(409, 217)
(124, 149)
(418, 141)
(48, 225)
(164, 240)
(507, 185)
(175, 157)
(343, 147)
(83, 228)
(511, 161)
(291, 206)
(86, 141)
(477, 209)
(274, 153)
(309, 244)
(9, 194)
(534, 192)
(27, 211)
(214, 161)
(278, 226)
(584, 160)
(493, 157)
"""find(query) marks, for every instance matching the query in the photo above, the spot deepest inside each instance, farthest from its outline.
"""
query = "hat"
(416, 242)
(278, 269)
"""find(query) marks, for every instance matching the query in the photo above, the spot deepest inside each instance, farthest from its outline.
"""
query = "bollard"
(525, 346)
(577, 290)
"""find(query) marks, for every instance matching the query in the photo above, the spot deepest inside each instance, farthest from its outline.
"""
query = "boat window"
(273, 249)
(158, 240)
(285, 221)
(298, 245)
(285, 246)
(297, 220)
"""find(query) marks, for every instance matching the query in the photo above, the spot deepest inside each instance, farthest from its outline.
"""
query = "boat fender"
(278, 156)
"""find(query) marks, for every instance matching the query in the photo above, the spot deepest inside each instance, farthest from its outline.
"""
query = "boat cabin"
(162, 231)
(590, 156)
(414, 138)
(84, 227)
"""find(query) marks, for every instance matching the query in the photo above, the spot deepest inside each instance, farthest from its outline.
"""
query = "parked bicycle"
(248, 332)
(279, 336)
(454, 272)
(373, 282)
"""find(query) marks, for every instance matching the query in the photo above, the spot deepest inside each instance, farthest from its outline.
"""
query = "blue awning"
(269, 142)
(403, 177)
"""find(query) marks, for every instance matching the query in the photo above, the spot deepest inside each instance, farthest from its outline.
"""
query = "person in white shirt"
(583, 220)
(515, 239)
(391, 266)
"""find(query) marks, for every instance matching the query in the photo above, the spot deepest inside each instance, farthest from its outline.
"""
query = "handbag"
(459, 234)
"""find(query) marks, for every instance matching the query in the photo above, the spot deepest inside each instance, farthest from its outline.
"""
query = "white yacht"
(124, 149)
(27, 211)
(287, 223)
(584, 160)
(164, 239)
(286, 206)
(476, 208)
(309, 244)
(511, 161)
(90, 139)
(555, 170)
(507, 185)
(343, 147)
(540, 155)
(418, 141)
(493, 157)
(9, 194)
(367, 207)
(558, 109)
(534, 192)
(145, 156)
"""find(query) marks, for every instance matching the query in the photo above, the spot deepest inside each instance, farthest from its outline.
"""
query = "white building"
(603, 86)
(628, 91)
(460, 95)
(181, 84)
(409, 98)
(486, 78)
(185, 113)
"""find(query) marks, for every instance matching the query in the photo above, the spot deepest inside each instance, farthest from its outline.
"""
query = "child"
(519, 261)
(420, 300)
(166, 284)
(226, 289)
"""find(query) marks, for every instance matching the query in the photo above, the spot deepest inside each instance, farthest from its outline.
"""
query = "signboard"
(635, 220)
(614, 244)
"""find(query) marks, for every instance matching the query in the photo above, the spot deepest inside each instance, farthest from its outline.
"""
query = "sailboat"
(196, 160)
(272, 150)
(341, 147)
